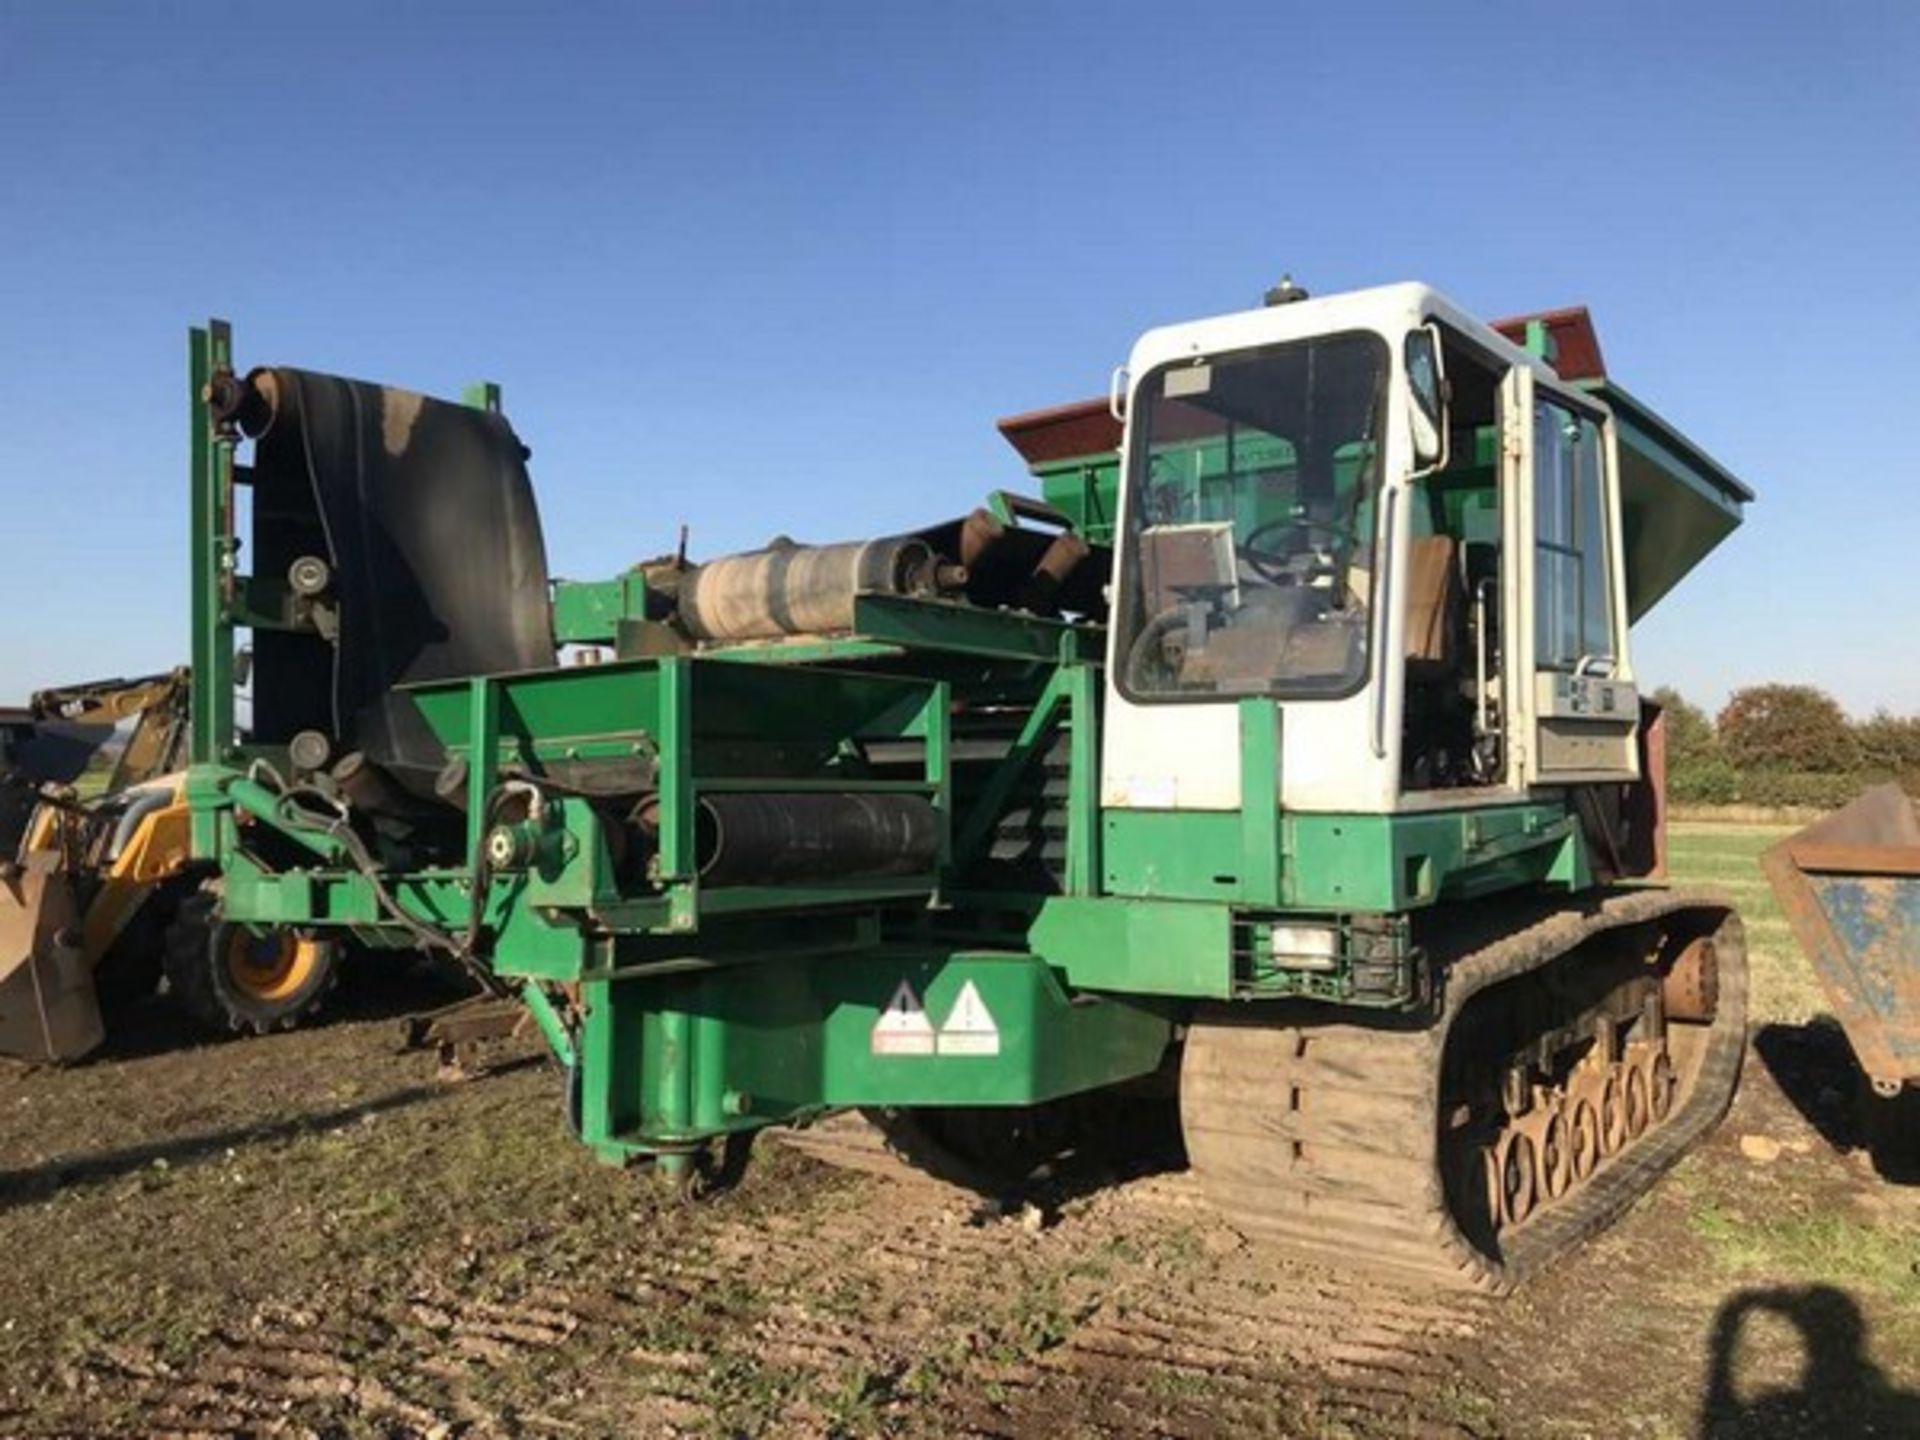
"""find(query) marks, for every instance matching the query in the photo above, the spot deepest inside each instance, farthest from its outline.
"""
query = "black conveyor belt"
(425, 512)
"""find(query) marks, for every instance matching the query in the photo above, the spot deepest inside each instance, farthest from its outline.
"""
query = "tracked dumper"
(1284, 757)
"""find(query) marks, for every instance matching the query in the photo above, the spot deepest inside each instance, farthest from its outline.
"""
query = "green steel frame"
(211, 551)
(685, 1011)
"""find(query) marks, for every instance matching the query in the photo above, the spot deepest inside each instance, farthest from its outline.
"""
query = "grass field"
(1728, 858)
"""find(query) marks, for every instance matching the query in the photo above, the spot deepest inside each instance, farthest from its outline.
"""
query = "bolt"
(503, 849)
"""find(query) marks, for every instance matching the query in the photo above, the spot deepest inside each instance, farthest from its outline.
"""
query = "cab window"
(1253, 489)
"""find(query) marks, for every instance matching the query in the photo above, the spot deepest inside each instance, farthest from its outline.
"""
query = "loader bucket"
(48, 1008)
(1850, 885)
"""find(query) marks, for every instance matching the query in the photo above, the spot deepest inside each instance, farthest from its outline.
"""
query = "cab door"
(1577, 708)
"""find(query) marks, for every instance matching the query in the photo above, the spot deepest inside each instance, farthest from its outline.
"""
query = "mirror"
(1426, 392)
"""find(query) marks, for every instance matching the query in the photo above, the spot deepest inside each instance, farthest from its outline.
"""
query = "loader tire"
(232, 981)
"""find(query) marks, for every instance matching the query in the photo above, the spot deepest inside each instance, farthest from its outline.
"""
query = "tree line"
(1783, 745)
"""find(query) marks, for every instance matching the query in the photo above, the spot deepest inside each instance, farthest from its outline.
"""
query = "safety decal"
(903, 1027)
(969, 1029)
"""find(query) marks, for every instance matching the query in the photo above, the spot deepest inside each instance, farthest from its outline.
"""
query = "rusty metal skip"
(1850, 885)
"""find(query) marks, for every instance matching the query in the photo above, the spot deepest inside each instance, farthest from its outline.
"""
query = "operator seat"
(1433, 605)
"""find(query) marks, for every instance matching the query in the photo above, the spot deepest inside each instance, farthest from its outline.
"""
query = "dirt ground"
(320, 1234)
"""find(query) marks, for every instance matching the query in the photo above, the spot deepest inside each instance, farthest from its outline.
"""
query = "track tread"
(1355, 1176)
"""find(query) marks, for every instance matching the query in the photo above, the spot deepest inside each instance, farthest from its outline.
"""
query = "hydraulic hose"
(303, 809)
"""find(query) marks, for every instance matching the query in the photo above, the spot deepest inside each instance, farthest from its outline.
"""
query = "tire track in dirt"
(1225, 1340)
(412, 1367)
(418, 1364)
(1138, 1373)
(862, 1305)
(1277, 1342)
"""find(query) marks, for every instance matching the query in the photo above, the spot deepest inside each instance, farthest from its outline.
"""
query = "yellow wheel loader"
(99, 901)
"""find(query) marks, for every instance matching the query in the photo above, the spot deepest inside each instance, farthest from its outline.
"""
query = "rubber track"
(1325, 1137)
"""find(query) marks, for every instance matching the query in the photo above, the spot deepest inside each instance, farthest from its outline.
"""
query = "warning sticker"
(969, 1029)
(903, 1027)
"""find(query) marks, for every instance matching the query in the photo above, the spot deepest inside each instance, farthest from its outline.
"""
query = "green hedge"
(1715, 781)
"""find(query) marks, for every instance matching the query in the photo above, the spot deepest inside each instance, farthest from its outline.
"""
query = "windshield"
(1250, 523)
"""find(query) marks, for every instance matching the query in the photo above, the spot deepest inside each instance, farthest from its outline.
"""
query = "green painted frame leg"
(552, 1028)
(594, 1072)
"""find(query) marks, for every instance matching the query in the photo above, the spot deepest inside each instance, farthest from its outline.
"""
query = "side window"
(1572, 593)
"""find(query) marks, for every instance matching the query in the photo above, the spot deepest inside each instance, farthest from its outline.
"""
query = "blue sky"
(778, 268)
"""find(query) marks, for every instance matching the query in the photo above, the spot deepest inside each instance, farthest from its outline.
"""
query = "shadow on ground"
(1815, 1069)
(36, 1182)
(375, 987)
(1839, 1390)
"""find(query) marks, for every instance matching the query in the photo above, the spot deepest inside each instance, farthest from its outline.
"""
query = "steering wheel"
(1305, 535)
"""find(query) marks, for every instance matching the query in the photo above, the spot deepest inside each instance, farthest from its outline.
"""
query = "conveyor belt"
(426, 515)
